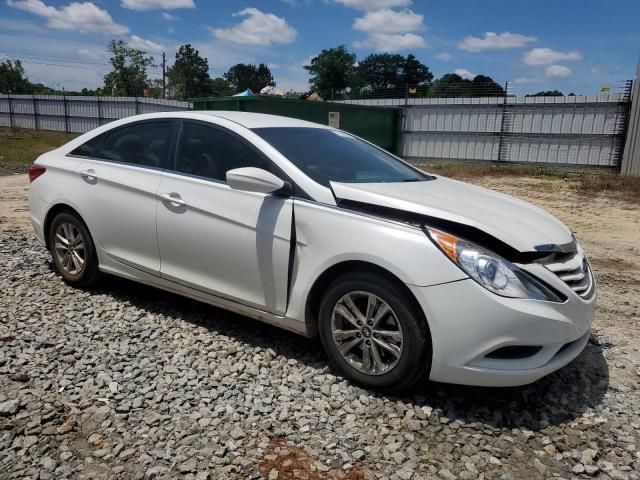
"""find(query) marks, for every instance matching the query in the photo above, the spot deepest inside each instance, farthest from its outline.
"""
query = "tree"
(415, 73)
(381, 70)
(450, 85)
(453, 85)
(219, 87)
(242, 76)
(332, 70)
(41, 89)
(129, 74)
(189, 76)
(483, 86)
(548, 93)
(264, 78)
(12, 78)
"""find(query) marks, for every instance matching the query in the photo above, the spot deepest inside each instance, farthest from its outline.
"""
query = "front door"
(230, 243)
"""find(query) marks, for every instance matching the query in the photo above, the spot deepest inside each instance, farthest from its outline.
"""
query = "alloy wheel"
(367, 333)
(70, 248)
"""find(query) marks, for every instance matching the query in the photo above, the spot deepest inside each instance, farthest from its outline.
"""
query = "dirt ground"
(14, 208)
(608, 228)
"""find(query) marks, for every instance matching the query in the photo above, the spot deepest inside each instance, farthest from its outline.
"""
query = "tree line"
(337, 72)
(129, 76)
(334, 73)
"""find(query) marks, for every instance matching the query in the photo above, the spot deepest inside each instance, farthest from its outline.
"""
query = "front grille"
(573, 269)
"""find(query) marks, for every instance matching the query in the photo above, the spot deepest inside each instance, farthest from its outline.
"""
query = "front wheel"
(73, 250)
(373, 332)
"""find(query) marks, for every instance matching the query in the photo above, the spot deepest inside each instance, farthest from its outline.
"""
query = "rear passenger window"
(209, 152)
(88, 149)
(142, 144)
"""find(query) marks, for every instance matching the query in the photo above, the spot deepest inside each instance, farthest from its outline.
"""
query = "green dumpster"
(379, 125)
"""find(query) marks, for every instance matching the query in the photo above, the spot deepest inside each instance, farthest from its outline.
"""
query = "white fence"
(574, 130)
(631, 156)
(76, 113)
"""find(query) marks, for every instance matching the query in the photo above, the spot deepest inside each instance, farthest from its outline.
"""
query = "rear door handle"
(173, 198)
(88, 174)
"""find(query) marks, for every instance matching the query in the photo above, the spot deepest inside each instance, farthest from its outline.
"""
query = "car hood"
(519, 224)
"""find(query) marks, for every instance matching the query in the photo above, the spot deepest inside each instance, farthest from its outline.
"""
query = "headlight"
(490, 270)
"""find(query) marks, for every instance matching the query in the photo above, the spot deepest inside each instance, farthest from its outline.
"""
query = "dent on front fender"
(327, 236)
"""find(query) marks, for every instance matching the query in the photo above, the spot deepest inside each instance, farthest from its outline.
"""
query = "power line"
(19, 57)
(82, 65)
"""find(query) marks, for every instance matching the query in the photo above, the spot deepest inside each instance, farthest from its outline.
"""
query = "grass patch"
(626, 187)
(19, 148)
(475, 170)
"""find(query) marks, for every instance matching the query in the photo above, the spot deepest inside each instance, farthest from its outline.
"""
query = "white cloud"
(258, 28)
(464, 73)
(146, 45)
(168, 17)
(391, 42)
(390, 30)
(494, 41)
(557, 71)
(546, 56)
(525, 80)
(389, 21)
(371, 5)
(93, 53)
(157, 4)
(444, 56)
(82, 17)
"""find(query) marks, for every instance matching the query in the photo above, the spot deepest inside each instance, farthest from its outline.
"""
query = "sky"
(570, 45)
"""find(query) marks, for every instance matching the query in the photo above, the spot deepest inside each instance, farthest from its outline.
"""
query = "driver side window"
(209, 152)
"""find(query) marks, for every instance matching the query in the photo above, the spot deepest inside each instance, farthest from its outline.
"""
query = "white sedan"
(404, 275)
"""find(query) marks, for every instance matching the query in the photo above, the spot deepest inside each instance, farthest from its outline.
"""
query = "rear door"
(230, 243)
(118, 181)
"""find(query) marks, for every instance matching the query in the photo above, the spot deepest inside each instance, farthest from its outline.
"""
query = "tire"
(78, 264)
(405, 329)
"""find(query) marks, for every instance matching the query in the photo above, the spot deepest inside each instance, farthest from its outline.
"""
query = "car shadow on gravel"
(555, 399)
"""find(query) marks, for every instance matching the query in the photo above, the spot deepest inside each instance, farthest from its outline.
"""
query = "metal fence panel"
(631, 157)
(572, 130)
(77, 114)
(426, 146)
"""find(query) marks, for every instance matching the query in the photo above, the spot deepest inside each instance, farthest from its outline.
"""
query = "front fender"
(328, 235)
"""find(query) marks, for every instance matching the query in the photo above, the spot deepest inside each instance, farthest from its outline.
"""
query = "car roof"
(259, 120)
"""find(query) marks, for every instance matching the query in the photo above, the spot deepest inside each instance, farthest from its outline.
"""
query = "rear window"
(143, 144)
(334, 156)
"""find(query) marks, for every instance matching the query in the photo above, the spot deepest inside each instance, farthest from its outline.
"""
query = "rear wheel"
(373, 332)
(73, 250)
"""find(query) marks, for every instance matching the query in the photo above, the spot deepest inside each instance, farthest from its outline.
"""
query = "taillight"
(35, 171)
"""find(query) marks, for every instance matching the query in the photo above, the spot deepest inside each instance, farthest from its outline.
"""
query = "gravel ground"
(129, 382)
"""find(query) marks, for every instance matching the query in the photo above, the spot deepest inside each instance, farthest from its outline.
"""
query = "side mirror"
(251, 179)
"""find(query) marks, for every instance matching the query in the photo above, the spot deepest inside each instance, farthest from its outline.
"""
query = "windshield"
(335, 156)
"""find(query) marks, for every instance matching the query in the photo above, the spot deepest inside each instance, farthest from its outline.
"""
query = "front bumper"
(468, 322)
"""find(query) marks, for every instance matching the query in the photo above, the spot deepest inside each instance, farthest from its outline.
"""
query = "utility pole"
(164, 93)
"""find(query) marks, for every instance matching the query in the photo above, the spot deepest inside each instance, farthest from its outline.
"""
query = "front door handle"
(89, 174)
(173, 198)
